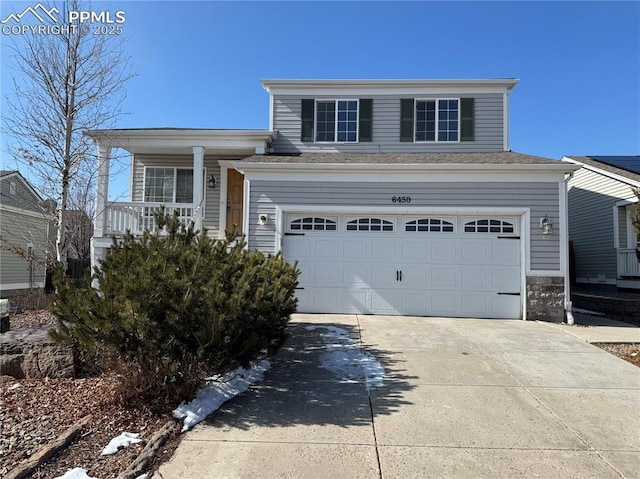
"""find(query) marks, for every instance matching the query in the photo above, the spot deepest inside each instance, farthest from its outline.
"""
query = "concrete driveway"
(460, 398)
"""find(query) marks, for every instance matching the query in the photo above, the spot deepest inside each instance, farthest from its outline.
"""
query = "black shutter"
(306, 131)
(365, 124)
(467, 119)
(406, 119)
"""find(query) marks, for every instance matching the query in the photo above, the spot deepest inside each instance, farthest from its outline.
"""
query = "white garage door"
(399, 265)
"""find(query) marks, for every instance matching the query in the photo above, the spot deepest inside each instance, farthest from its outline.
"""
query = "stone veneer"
(545, 298)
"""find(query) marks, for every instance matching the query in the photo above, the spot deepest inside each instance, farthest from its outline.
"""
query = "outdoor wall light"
(546, 225)
(262, 219)
(211, 182)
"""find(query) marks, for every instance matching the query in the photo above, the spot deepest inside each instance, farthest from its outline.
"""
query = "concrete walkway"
(598, 329)
(461, 398)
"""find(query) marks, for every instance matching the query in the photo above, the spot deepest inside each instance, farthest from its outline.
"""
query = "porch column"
(102, 188)
(198, 180)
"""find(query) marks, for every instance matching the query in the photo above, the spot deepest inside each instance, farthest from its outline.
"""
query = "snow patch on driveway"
(346, 359)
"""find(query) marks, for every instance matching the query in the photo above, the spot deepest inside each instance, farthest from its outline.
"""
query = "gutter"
(568, 306)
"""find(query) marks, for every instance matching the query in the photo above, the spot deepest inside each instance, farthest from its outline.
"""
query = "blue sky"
(199, 63)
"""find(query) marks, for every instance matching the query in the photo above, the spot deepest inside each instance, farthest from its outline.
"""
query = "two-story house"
(396, 197)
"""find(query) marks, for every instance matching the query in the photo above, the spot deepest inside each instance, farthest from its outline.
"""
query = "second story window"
(337, 120)
(437, 120)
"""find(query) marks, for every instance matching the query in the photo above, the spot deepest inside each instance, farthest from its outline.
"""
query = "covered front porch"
(185, 171)
(626, 242)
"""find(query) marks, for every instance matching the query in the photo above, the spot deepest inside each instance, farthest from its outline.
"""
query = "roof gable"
(605, 165)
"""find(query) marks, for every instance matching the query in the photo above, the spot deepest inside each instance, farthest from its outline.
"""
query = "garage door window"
(369, 224)
(313, 224)
(431, 225)
(489, 226)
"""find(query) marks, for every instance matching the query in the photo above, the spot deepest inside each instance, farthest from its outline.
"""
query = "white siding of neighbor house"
(17, 231)
(489, 127)
(541, 197)
(592, 197)
(211, 220)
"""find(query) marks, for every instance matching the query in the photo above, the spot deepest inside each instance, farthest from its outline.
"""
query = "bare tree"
(64, 84)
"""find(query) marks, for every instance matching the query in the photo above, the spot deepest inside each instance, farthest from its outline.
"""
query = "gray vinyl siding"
(211, 220)
(17, 231)
(489, 126)
(541, 197)
(592, 197)
(22, 198)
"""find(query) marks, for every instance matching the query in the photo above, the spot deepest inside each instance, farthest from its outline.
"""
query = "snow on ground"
(123, 440)
(218, 391)
(346, 359)
(75, 473)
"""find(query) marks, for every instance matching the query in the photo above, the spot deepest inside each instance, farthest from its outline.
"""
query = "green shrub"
(174, 302)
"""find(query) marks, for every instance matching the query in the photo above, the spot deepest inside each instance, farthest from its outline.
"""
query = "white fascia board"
(388, 87)
(630, 201)
(403, 173)
(131, 139)
(623, 179)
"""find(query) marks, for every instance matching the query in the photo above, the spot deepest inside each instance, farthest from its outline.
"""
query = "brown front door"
(235, 198)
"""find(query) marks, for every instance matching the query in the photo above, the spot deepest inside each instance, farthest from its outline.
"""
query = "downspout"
(567, 287)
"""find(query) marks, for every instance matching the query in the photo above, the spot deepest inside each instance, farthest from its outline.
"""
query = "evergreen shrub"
(175, 303)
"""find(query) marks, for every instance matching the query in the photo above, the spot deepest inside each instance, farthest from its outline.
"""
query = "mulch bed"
(627, 351)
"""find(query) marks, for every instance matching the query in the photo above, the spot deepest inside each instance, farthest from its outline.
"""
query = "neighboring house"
(601, 206)
(25, 229)
(395, 196)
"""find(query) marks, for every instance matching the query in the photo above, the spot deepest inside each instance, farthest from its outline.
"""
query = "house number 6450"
(401, 199)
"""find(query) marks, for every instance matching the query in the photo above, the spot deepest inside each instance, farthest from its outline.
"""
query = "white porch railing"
(628, 264)
(136, 217)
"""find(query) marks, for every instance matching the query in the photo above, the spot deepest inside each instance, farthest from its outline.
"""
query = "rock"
(30, 353)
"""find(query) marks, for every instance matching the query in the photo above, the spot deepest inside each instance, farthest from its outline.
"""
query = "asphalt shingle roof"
(498, 158)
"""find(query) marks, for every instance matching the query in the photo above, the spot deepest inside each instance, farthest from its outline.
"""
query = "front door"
(235, 198)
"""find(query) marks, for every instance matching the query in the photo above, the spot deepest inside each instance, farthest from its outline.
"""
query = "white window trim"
(335, 123)
(175, 184)
(512, 219)
(391, 219)
(415, 120)
(294, 217)
(452, 220)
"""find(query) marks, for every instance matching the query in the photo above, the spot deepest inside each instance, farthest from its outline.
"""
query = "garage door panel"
(474, 278)
(415, 302)
(474, 252)
(474, 304)
(384, 275)
(444, 304)
(355, 302)
(505, 280)
(355, 249)
(326, 248)
(443, 277)
(505, 252)
(325, 274)
(443, 251)
(413, 250)
(455, 273)
(384, 301)
(384, 249)
(355, 275)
